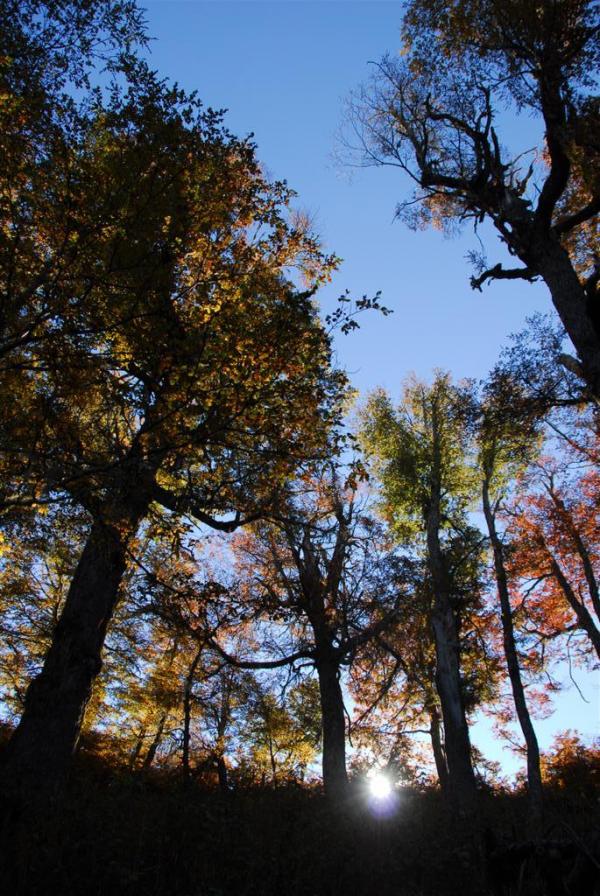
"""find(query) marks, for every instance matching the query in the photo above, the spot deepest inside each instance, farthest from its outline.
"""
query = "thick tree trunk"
(38, 755)
(534, 775)
(439, 754)
(335, 778)
(572, 304)
(461, 777)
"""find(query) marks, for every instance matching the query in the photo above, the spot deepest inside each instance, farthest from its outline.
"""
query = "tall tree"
(189, 374)
(393, 681)
(432, 113)
(506, 445)
(315, 573)
(50, 51)
(420, 455)
(394, 678)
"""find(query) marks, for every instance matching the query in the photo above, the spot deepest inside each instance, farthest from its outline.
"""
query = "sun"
(380, 787)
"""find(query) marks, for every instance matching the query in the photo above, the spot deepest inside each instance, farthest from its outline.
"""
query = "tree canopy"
(433, 113)
(253, 614)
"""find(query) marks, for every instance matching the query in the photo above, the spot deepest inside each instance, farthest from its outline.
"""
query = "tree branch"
(371, 632)
(500, 273)
(260, 664)
(588, 211)
(187, 506)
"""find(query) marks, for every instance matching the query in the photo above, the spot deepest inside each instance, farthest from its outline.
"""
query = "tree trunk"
(584, 617)
(571, 303)
(185, 745)
(273, 763)
(461, 777)
(156, 742)
(439, 754)
(222, 773)
(580, 547)
(187, 713)
(534, 775)
(222, 725)
(335, 778)
(135, 753)
(38, 755)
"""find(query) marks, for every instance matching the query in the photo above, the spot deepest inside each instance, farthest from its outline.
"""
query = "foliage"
(163, 367)
(157, 350)
(432, 113)
(35, 573)
(404, 454)
(280, 740)
(570, 765)
(554, 524)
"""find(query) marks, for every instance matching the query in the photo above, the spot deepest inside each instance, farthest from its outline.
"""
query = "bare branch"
(500, 273)
(566, 224)
(261, 664)
(187, 506)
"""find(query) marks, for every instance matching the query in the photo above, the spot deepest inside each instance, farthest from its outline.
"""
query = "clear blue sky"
(282, 70)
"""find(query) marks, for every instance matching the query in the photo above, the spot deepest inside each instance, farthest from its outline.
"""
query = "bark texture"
(37, 757)
(571, 303)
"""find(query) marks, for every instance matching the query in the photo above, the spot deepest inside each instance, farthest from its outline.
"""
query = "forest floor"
(124, 834)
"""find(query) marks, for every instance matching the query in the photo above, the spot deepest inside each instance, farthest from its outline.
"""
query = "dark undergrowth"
(118, 834)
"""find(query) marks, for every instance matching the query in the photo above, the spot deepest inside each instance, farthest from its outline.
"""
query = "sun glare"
(380, 787)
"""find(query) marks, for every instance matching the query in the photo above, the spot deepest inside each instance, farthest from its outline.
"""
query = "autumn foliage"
(227, 598)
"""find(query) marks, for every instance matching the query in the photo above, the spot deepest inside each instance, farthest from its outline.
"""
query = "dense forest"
(248, 617)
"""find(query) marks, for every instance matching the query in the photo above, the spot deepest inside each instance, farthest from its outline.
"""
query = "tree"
(420, 455)
(49, 51)
(36, 568)
(190, 373)
(554, 525)
(506, 446)
(314, 576)
(226, 714)
(222, 700)
(393, 680)
(572, 765)
(280, 738)
(432, 114)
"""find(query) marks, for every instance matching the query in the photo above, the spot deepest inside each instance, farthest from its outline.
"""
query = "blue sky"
(282, 70)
